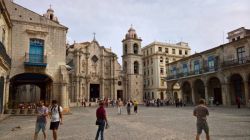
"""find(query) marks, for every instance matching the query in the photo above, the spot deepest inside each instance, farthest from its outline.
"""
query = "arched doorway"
(28, 88)
(214, 90)
(199, 90)
(186, 91)
(237, 88)
(1, 93)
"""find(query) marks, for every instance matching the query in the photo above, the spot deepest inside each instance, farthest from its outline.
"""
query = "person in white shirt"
(55, 113)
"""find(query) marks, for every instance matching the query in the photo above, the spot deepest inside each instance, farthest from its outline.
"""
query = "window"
(241, 55)
(152, 72)
(144, 72)
(144, 63)
(238, 38)
(125, 66)
(119, 83)
(151, 51)
(152, 82)
(174, 71)
(197, 67)
(162, 82)
(36, 50)
(135, 48)
(166, 50)
(148, 72)
(147, 52)
(174, 59)
(151, 60)
(125, 49)
(185, 69)
(166, 61)
(180, 52)
(159, 49)
(161, 59)
(136, 67)
(173, 51)
(210, 63)
(162, 71)
(186, 52)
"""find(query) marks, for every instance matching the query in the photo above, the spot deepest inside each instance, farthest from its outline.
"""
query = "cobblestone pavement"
(164, 123)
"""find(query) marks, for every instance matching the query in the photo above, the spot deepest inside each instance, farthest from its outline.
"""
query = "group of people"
(129, 105)
(159, 102)
(54, 112)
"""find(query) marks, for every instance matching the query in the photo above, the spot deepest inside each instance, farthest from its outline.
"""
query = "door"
(119, 95)
(94, 92)
(217, 95)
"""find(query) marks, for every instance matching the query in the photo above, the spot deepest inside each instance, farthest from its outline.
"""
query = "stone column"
(225, 94)
(77, 87)
(102, 89)
(246, 86)
(6, 94)
(206, 94)
(193, 94)
(64, 97)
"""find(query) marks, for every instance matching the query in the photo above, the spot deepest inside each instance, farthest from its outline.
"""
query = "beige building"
(219, 75)
(38, 57)
(5, 53)
(156, 56)
(95, 73)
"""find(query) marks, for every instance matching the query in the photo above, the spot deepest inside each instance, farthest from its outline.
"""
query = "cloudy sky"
(201, 23)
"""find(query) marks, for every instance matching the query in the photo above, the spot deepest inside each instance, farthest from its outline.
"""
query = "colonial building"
(5, 52)
(221, 74)
(156, 56)
(38, 57)
(95, 73)
(132, 66)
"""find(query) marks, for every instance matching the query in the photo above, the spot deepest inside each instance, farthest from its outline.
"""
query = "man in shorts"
(41, 121)
(201, 112)
(56, 118)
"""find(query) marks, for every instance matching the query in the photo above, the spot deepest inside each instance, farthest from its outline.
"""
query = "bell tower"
(132, 66)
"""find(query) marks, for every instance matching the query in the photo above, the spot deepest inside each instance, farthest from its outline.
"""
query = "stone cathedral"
(96, 74)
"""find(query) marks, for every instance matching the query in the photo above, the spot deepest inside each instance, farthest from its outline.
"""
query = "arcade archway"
(187, 92)
(237, 88)
(214, 90)
(27, 89)
(199, 90)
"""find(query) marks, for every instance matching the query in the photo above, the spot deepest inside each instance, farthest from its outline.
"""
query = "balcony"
(4, 55)
(35, 60)
(236, 62)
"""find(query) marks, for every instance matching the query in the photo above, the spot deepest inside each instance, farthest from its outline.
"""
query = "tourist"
(177, 102)
(101, 120)
(129, 107)
(56, 118)
(135, 106)
(158, 102)
(41, 120)
(201, 113)
(119, 106)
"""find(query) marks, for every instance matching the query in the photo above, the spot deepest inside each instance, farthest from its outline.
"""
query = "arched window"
(125, 49)
(136, 67)
(135, 48)
(161, 59)
(166, 61)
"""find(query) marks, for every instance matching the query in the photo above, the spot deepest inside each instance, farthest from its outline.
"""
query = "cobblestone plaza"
(151, 123)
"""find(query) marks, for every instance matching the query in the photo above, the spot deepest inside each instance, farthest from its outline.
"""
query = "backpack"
(60, 113)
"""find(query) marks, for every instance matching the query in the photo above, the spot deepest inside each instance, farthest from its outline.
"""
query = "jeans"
(100, 130)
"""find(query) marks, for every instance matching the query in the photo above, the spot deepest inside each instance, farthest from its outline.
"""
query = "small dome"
(131, 33)
(50, 10)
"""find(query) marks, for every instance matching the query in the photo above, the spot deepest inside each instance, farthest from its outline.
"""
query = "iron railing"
(35, 60)
(4, 54)
(235, 62)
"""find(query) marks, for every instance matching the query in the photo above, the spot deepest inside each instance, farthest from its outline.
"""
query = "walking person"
(135, 106)
(56, 118)
(101, 120)
(41, 120)
(119, 106)
(201, 113)
(129, 107)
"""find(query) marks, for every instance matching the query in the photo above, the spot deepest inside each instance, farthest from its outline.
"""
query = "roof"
(167, 44)
(20, 13)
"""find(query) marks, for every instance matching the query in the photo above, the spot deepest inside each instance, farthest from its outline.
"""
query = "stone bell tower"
(132, 66)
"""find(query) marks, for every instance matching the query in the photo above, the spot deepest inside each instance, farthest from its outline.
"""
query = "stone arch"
(30, 81)
(199, 90)
(136, 67)
(136, 48)
(214, 90)
(186, 92)
(236, 87)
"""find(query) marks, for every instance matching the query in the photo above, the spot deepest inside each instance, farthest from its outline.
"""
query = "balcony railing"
(35, 60)
(4, 54)
(236, 62)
